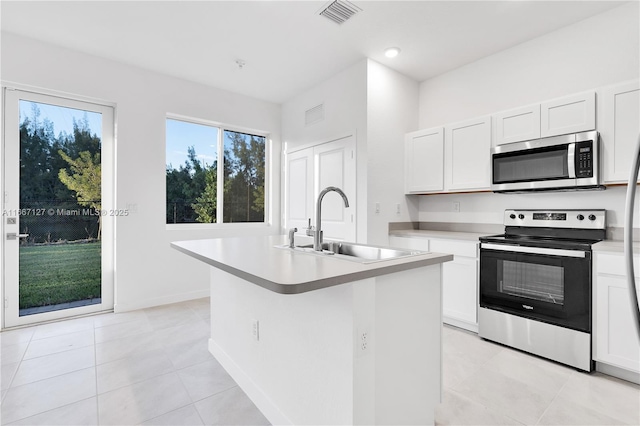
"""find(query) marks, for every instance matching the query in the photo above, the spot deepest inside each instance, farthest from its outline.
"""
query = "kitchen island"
(317, 339)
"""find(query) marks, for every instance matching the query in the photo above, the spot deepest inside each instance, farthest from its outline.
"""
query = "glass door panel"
(55, 240)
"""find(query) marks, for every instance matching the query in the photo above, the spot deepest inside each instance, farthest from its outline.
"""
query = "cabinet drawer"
(411, 243)
(614, 264)
(458, 248)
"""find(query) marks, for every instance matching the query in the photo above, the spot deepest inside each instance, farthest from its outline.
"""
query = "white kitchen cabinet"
(619, 126)
(459, 277)
(312, 169)
(615, 340)
(515, 125)
(424, 161)
(459, 282)
(411, 243)
(468, 155)
(569, 114)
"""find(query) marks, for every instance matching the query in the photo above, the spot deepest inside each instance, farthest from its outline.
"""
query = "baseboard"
(253, 391)
(461, 324)
(158, 301)
(620, 373)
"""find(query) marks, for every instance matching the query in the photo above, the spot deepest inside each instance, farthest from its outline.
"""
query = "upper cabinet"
(468, 155)
(453, 158)
(424, 161)
(569, 114)
(515, 125)
(619, 126)
(457, 157)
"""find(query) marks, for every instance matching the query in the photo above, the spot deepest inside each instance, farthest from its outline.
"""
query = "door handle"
(571, 161)
(13, 236)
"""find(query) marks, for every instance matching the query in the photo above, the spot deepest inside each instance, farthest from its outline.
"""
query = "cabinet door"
(616, 340)
(459, 282)
(459, 292)
(520, 124)
(424, 161)
(570, 114)
(299, 189)
(619, 126)
(468, 155)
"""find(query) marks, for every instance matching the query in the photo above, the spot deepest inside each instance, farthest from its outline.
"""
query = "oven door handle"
(534, 250)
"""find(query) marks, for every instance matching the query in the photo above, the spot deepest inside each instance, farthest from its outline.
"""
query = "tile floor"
(152, 367)
(489, 384)
(145, 367)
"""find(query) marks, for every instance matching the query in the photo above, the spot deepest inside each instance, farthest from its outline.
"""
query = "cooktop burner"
(564, 229)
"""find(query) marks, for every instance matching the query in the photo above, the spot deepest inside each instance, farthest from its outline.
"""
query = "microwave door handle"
(571, 160)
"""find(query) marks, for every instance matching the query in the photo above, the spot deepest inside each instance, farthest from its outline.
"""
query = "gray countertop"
(615, 246)
(428, 233)
(259, 261)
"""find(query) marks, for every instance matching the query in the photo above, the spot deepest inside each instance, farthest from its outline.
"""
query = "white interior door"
(312, 169)
(58, 210)
(335, 165)
(299, 190)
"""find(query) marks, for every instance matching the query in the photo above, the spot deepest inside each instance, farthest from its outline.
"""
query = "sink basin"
(357, 252)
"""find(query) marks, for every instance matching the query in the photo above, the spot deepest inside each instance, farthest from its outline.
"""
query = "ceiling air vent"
(339, 11)
(314, 115)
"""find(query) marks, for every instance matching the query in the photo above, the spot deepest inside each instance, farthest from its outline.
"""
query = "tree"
(183, 186)
(206, 204)
(85, 180)
(244, 186)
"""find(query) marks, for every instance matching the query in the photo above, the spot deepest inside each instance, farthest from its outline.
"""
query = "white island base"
(363, 352)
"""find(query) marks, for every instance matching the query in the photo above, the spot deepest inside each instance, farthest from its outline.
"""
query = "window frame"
(222, 128)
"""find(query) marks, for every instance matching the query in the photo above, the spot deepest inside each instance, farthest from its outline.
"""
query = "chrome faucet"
(317, 236)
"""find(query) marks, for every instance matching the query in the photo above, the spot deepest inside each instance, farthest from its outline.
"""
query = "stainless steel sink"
(356, 252)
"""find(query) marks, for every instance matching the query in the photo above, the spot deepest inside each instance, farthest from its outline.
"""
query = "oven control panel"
(576, 219)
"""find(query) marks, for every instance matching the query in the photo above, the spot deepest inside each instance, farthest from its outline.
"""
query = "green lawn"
(59, 273)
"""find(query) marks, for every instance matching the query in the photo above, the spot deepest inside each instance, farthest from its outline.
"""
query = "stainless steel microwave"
(567, 162)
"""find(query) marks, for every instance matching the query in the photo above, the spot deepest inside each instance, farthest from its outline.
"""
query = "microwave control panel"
(584, 159)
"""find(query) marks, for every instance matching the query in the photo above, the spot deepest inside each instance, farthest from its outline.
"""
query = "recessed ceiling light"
(392, 52)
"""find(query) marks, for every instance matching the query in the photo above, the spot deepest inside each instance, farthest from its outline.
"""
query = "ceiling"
(286, 46)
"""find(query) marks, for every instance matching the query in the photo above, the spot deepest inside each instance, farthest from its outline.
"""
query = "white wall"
(598, 51)
(148, 271)
(381, 105)
(392, 111)
(344, 97)
(489, 207)
(595, 52)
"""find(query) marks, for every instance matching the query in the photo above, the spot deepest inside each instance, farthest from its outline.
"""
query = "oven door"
(549, 285)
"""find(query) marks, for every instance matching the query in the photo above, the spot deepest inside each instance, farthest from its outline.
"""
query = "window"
(206, 187)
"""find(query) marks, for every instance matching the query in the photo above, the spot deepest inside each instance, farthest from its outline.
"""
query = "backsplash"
(488, 207)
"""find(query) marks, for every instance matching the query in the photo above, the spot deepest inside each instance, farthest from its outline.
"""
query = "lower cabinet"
(459, 277)
(615, 342)
(459, 292)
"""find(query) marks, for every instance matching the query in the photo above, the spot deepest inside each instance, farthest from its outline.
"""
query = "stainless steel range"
(535, 283)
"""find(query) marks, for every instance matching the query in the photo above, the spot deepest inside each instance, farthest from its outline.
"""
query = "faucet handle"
(310, 230)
